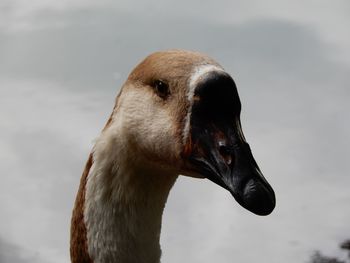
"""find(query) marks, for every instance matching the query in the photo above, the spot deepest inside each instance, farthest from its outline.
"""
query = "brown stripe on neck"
(78, 235)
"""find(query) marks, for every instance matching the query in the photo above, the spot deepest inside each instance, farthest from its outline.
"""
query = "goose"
(178, 113)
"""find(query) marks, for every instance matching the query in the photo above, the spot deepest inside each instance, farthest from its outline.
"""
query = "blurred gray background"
(63, 62)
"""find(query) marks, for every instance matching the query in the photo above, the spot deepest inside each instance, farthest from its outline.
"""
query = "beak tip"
(258, 198)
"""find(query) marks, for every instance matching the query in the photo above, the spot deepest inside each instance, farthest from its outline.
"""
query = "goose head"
(181, 111)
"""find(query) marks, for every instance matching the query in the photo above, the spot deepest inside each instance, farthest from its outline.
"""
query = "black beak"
(219, 150)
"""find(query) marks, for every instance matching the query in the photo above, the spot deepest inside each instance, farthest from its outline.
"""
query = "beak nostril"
(226, 153)
(224, 150)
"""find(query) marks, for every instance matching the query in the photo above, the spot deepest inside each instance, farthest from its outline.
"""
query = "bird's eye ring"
(161, 88)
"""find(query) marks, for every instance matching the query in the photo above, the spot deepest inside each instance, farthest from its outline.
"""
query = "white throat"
(124, 203)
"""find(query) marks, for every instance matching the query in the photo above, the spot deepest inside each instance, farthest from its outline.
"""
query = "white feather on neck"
(125, 198)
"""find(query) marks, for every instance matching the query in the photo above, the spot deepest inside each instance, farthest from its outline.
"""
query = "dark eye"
(161, 88)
